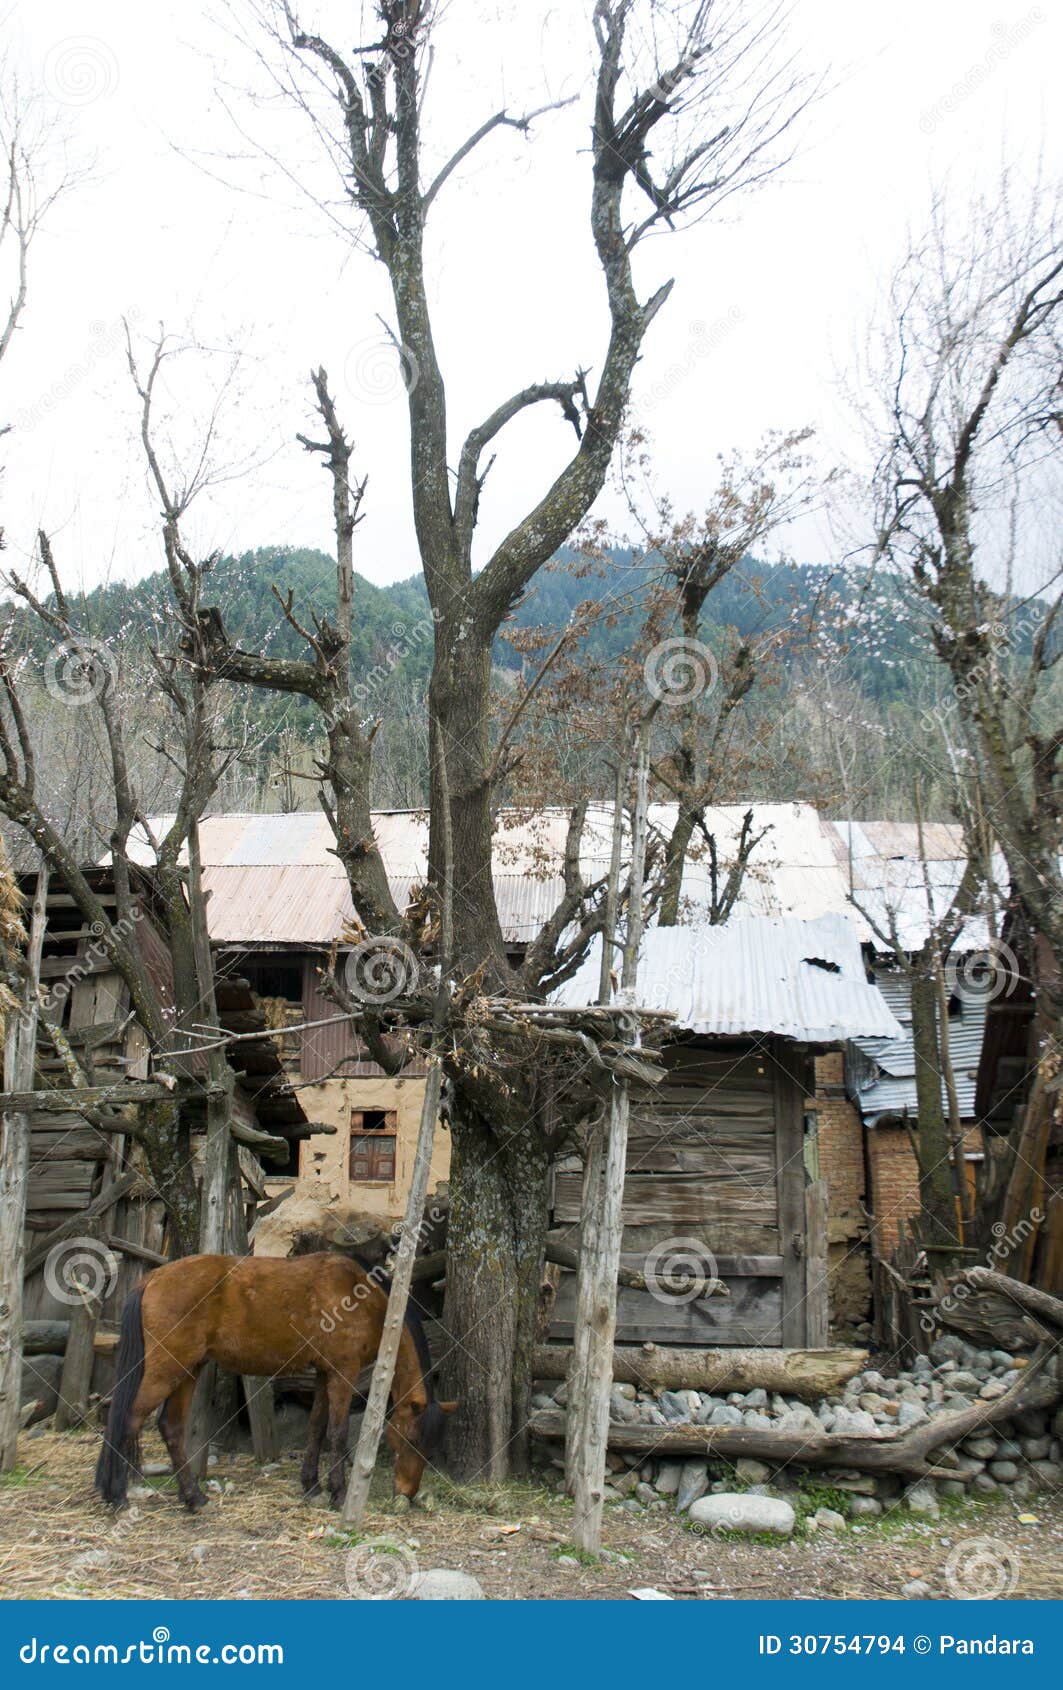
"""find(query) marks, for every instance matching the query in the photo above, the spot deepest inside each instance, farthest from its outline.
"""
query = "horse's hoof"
(401, 1504)
(427, 1502)
(195, 1502)
(313, 1489)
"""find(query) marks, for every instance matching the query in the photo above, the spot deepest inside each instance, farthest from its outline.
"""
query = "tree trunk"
(938, 1221)
(168, 1149)
(495, 1239)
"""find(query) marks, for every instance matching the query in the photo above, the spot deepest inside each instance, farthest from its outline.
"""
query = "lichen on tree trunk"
(495, 1240)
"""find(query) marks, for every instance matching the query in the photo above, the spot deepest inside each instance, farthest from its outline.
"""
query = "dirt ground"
(260, 1539)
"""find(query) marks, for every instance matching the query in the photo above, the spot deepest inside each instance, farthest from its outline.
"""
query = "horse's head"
(415, 1433)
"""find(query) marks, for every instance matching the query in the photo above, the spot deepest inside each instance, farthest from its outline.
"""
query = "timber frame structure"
(92, 1214)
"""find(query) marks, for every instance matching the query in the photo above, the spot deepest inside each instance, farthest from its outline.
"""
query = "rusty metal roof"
(804, 980)
(275, 880)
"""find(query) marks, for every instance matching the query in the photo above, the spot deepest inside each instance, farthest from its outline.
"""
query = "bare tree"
(969, 454)
(84, 672)
(692, 102)
(33, 175)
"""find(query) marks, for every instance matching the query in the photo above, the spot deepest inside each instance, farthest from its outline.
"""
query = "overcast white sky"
(769, 301)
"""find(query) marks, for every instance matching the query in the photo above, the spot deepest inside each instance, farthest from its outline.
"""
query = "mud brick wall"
(842, 1165)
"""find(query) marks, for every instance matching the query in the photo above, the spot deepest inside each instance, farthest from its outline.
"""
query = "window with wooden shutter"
(372, 1152)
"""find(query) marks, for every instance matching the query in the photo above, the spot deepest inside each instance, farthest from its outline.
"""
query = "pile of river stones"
(1019, 1456)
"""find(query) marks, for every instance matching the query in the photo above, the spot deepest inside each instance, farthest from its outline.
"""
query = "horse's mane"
(413, 1320)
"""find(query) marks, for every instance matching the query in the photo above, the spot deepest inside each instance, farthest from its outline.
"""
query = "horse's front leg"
(315, 1437)
(173, 1417)
(340, 1392)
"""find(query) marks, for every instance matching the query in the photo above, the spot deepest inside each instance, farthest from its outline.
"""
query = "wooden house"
(723, 1166)
(91, 1211)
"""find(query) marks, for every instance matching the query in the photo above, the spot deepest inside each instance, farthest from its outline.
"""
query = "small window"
(372, 1154)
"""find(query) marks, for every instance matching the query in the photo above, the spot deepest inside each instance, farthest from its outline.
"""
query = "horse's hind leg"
(340, 1392)
(173, 1417)
(315, 1438)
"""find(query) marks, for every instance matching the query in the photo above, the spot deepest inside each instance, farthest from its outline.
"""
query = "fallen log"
(797, 1373)
(991, 1308)
(898, 1452)
(44, 1337)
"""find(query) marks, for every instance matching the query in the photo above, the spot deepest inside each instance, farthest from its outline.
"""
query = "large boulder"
(736, 1511)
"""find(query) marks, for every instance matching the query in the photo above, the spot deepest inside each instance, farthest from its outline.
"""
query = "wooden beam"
(64, 1099)
(73, 1227)
(800, 1373)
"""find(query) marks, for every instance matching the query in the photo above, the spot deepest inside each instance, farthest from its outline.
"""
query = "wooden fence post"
(817, 1313)
(376, 1407)
(76, 1378)
(20, 1056)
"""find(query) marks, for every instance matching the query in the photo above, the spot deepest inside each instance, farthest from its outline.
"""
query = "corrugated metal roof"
(275, 879)
(754, 975)
(901, 886)
(884, 1083)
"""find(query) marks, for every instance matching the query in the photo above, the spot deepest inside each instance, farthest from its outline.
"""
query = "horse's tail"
(119, 1451)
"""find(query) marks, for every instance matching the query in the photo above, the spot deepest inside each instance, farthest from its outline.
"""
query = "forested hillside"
(852, 681)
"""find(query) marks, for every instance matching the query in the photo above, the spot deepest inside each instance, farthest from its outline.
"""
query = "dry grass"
(260, 1539)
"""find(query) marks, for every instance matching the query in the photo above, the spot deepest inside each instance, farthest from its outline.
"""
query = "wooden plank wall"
(715, 1165)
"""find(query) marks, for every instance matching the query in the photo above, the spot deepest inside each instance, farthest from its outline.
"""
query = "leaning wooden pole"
(596, 1292)
(20, 1054)
(365, 1455)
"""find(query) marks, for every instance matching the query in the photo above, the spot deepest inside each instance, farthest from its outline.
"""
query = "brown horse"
(260, 1315)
